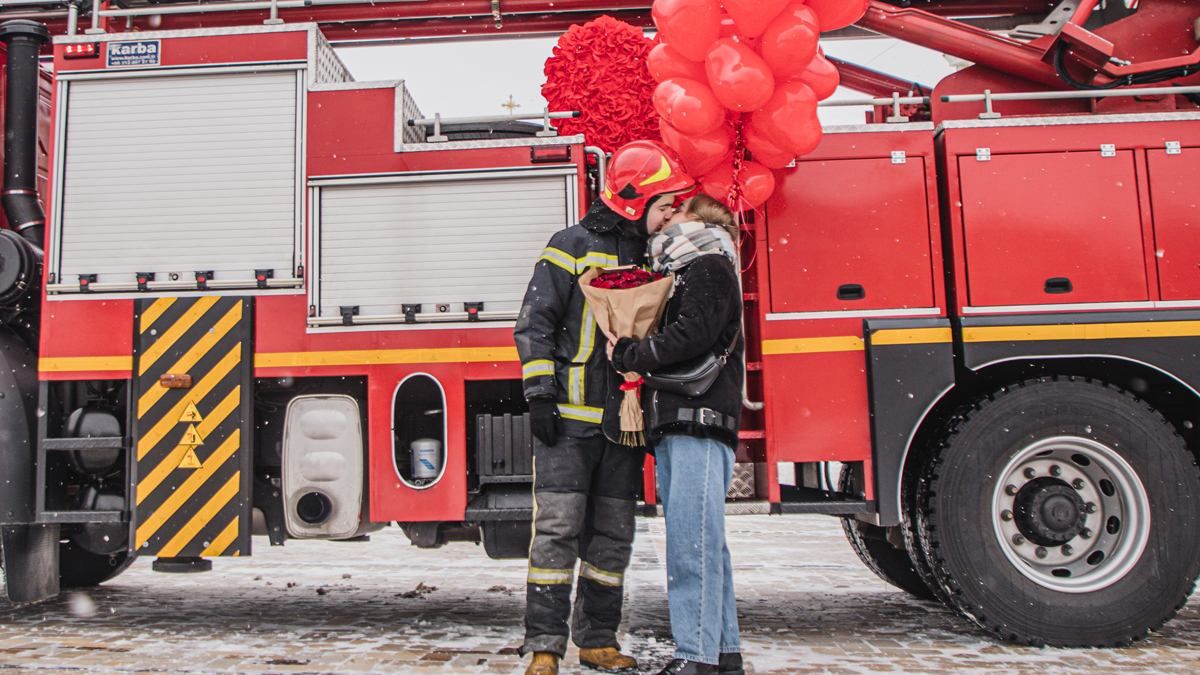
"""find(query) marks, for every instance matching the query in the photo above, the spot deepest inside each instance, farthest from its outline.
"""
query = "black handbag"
(693, 378)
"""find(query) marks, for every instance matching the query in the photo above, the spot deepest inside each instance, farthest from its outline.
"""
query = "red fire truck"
(245, 294)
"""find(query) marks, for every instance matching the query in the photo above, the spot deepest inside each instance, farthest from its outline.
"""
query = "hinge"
(983, 154)
(1174, 148)
(1108, 150)
(899, 157)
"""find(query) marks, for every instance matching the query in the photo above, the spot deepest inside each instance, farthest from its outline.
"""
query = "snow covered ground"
(806, 604)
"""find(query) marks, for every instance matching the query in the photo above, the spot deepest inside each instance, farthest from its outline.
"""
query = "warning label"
(191, 414)
(190, 460)
(192, 437)
(134, 53)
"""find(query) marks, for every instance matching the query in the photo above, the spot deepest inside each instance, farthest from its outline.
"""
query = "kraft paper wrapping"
(632, 313)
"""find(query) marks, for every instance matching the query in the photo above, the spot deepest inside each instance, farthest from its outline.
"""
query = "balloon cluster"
(743, 75)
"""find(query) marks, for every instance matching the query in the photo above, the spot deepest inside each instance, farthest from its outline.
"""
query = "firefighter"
(585, 482)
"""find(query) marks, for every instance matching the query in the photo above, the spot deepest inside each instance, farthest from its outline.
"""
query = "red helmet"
(638, 172)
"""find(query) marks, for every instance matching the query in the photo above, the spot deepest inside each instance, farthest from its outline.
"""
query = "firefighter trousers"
(584, 492)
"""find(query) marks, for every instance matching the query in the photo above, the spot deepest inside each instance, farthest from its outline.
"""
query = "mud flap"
(30, 562)
(192, 467)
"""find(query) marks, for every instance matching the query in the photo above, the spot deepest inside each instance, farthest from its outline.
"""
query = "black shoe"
(731, 664)
(685, 667)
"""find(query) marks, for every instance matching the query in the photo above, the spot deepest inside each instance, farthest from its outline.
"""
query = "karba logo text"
(133, 48)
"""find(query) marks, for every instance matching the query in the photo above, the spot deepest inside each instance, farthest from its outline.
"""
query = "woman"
(693, 439)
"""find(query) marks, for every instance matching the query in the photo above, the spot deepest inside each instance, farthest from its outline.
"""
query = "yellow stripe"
(193, 355)
(211, 421)
(846, 343)
(575, 391)
(176, 331)
(154, 311)
(378, 357)
(537, 368)
(561, 259)
(161, 515)
(1090, 331)
(203, 517)
(663, 173)
(194, 395)
(570, 269)
(590, 571)
(545, 577)
(598, 259)
(587, 335)
(911, 336)
(581, 413)
(78, 364)
(222, 541)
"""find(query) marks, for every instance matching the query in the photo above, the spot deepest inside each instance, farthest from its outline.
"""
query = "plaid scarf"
(675, 246)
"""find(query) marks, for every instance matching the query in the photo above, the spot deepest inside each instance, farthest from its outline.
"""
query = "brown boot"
(543, 663)
(607, 660)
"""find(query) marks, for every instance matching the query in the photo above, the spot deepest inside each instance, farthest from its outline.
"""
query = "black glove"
(543, 419)
(619, 352)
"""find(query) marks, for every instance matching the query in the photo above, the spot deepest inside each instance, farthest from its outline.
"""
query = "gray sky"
(476, 77)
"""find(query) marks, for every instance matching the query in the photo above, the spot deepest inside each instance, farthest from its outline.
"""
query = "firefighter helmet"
(640, 171)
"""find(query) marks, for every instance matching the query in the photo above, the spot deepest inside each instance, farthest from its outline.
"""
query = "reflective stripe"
(575, 391)
(559, 258)
(587, 335)
(581, 413)
(537, 368)
(549, 577)
(597, 259)
(590, 571)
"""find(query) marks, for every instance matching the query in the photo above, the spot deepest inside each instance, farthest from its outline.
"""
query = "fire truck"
(244, 294)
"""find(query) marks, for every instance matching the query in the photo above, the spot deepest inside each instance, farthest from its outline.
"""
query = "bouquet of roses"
(627, 302)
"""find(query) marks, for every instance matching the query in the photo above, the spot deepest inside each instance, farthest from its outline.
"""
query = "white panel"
(431, 243)
(180, 174)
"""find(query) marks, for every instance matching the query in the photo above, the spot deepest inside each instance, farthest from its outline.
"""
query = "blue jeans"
(693, 477)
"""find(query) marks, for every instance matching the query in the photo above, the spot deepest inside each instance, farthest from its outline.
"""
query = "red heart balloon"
(764, 151)
(701, 153)
(718, 183)
(790, 41)
(822, 77)
(740, 78)
(665, 62)
(690, 26)
(752, 16)
(757, 183)
(789, 119)
(688, 105)
(729, 29)
(835, 14)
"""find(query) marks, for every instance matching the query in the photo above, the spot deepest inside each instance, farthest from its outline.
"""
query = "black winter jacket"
(562, 350)
(703, 316)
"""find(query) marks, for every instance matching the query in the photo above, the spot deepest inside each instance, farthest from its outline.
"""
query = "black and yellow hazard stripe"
(192, 483)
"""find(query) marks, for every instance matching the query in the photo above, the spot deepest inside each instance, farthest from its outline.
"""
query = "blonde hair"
(710, 210)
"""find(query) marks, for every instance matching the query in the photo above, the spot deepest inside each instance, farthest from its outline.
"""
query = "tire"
(80, 568)
(871, 544)
(1062, 511)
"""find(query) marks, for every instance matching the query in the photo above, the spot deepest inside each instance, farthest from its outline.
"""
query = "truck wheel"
(80, 568)
(1063, 511)
(876, 551)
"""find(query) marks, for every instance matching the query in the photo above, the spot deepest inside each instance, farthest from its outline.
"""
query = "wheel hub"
(1049, 512)
(1070, 514)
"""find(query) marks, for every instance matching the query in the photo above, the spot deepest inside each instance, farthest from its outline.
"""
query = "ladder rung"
(752, 435)
(750, 297)
(753, 366)
(92, 443)
(81, 517)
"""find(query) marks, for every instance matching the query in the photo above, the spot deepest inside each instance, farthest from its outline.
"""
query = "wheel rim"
(1071, 514)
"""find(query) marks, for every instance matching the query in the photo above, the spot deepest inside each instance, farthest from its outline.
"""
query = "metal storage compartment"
(429, 247)
(174, 175)
(830, 249)
(1176, 207)
(1033, 237)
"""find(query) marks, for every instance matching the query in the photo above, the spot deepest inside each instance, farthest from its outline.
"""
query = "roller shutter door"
(440, 244)
(178, 174)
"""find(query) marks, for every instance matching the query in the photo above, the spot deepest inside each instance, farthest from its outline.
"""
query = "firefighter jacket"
(561, 348)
